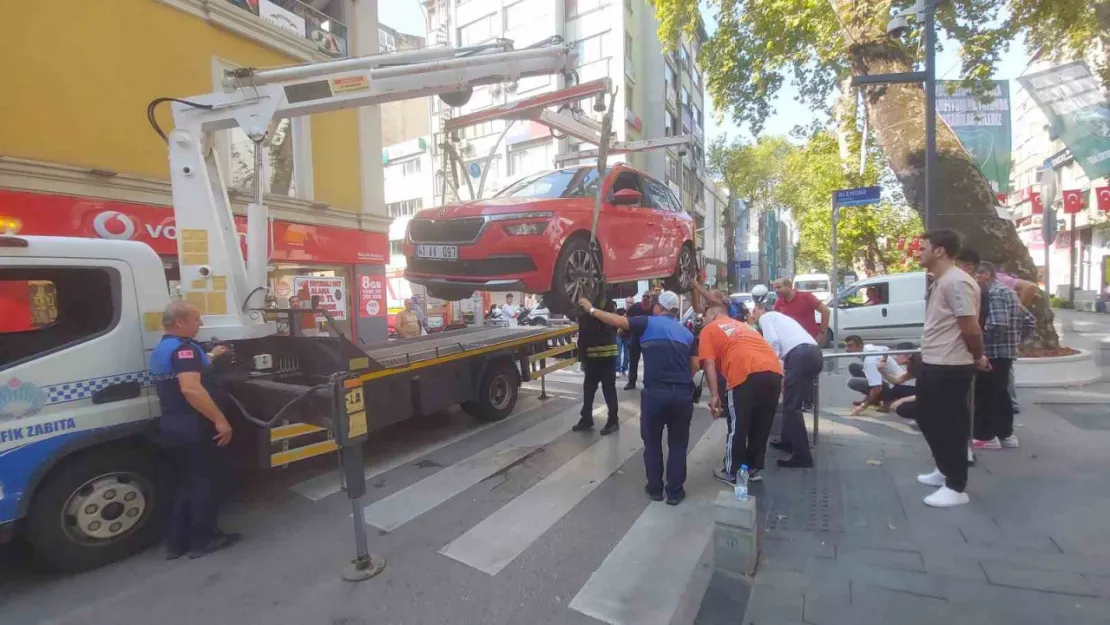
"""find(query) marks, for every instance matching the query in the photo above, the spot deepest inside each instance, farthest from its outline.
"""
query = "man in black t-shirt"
(597, 351)
(639, 309)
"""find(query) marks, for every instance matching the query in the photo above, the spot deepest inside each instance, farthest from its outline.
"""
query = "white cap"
(669, 300)
(759, 292)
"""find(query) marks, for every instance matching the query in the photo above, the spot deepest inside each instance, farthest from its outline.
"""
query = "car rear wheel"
(577, 274)
(685, 271)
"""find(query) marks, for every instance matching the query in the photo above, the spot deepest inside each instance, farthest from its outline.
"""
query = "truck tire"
(497, 394)
(98, 507)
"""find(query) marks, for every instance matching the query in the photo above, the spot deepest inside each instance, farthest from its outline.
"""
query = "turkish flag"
(1073, 201)
(1001, 198)
(1103, 195)
(1038, 205)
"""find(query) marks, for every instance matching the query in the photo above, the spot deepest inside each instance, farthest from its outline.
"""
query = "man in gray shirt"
(951, 350)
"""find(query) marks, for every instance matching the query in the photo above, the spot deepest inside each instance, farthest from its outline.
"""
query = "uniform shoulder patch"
(186, 353)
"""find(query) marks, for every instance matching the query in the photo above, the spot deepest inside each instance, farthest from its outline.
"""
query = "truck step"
(312, 450)
(293, 430)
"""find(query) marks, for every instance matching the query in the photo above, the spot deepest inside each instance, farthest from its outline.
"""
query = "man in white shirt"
(871, 376)
(802, 363)
(508, 311)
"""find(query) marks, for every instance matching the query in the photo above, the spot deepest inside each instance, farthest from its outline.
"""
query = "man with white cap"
(667, 399)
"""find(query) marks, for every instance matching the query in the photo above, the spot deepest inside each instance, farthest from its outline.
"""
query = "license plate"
(439, 252)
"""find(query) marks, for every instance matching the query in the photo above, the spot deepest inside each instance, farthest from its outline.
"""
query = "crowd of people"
(975, 319)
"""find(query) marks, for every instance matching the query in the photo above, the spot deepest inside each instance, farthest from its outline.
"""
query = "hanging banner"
(982, 127)
(331, 294)
(1070, 96)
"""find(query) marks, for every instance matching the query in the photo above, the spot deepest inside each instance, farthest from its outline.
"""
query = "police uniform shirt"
(180, 422)
(667, 347)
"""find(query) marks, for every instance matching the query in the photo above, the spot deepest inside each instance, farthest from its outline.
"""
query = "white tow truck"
(81, 474)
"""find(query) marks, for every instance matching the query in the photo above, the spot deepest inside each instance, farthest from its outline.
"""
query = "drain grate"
(802, 501)
(1092, 417)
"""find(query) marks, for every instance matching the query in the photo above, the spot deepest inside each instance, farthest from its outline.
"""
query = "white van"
(882, 309)
(816, 283)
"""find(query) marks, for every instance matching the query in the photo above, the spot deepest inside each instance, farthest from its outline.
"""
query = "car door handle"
(651, 223)
(117, 392)
(884, 312)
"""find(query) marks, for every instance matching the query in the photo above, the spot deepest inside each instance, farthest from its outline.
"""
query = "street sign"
(860, 196)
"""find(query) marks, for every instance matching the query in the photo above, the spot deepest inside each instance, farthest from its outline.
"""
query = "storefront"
(338, 266)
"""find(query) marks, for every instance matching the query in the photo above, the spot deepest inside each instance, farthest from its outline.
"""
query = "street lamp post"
(925, 12)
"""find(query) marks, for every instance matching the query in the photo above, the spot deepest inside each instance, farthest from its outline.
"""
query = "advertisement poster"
(331, 294)
(1070, 96)
(982, 127)
(371, 296)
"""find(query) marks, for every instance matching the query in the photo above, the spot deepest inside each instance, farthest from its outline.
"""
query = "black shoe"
(218, 542)
(755, 475)
(173, 553)
(724, 477)
(807, 406)
(782, 445)
(791, 463)
(631, 386)
(583, 425)
(674, 500)
(653, 495)
(612, 425)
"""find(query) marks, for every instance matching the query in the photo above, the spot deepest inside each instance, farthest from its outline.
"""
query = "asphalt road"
(519, 522)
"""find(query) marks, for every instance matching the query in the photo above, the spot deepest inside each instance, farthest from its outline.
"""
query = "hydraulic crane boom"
(214, 276)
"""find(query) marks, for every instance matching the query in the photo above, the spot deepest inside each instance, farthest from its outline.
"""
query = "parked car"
(534, 236)
(882, 309)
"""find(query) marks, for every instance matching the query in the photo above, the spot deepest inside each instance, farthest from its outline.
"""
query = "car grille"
(497, 266)
(462, 230)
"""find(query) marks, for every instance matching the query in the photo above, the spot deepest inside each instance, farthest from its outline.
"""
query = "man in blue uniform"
(192, 427)
(667, 398)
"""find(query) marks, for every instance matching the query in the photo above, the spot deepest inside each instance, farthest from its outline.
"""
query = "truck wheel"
(97, 508)
(496, 395)
(685, 271)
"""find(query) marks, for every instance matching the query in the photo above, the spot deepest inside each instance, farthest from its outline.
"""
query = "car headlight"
(529, 228)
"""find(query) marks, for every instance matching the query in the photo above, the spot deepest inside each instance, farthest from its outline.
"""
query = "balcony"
(302, 20)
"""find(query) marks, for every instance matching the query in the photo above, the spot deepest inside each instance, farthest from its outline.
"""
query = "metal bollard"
(816, 407)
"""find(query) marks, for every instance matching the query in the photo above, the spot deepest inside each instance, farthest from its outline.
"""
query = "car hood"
(502, 206)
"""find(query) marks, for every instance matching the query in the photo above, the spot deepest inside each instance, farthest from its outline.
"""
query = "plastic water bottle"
(741, 488)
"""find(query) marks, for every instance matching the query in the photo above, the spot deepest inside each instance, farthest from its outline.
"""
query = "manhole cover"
(1083, 416)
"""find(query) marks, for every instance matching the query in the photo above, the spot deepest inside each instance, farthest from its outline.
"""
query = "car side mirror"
(627, 197)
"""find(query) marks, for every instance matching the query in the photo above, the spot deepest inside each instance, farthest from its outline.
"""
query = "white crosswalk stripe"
(504, 535)
(407, 504)
(642, 579)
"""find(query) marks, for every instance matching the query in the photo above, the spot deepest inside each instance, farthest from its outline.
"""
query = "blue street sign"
(857, 197)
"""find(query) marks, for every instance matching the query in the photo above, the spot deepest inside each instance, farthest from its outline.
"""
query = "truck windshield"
(562, 183)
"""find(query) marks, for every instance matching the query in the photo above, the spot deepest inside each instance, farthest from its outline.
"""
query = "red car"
(534, 237)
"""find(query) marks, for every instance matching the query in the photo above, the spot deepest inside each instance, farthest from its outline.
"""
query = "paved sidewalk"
(851, 542)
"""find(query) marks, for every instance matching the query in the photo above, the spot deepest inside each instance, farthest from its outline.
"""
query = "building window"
(672, 169)
(628, 5)
(530, 157)
(628, 97)
(668, 80)
(578, 7)
(277, 161)
(688, 180)
(627, 45)
(590, 49)
(685, 98)
(683, 59)
(406, 208)
(519, 14)
(478, 130)
(478, 31)
(386, 41)
(410, 168)
(696, 75)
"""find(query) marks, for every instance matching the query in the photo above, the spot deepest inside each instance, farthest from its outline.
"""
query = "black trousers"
(667, 406)
(751, 414)
(599, 371)
(802, 366)
(889, 393)
(196, 502)
(944, 418)
(994, 411)
(633, 359)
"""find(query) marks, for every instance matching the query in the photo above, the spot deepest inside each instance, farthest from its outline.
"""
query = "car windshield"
(573, 182)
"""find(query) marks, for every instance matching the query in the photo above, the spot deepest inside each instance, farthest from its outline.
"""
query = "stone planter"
(1074, 370)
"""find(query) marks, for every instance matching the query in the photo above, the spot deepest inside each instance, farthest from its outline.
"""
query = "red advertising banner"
(73, 216)
(371, 296)
(330, 294)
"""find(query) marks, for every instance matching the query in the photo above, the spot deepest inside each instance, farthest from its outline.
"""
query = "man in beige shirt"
(951, 351)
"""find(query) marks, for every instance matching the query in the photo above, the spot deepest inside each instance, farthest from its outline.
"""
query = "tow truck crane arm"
(229, 290)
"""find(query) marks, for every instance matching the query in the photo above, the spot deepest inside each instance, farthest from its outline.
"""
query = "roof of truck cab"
(130, 252)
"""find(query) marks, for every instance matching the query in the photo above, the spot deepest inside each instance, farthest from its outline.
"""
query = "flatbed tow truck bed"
(479, 368)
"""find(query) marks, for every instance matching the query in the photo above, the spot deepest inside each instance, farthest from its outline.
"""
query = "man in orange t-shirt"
(753, 374)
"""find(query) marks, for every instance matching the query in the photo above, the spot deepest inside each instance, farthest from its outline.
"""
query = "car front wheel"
(577, 274)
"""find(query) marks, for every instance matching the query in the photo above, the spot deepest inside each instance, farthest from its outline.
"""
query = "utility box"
(735, 534)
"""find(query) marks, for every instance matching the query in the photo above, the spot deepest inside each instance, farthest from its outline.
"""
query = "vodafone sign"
(70, 216)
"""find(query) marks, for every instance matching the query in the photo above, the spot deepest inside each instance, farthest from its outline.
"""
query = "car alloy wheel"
(687, 268)
(582, 276)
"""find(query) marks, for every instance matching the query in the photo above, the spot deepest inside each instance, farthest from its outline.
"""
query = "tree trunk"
(962, 196)
(846, 119)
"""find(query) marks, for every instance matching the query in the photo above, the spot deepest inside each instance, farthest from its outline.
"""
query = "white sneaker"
(946, 498)
(936, 478)
(1010, 442)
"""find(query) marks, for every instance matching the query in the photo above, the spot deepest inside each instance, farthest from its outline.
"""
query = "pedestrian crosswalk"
(643, 577)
